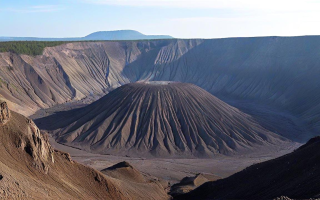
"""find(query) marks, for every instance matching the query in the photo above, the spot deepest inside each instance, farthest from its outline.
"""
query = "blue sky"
(178, 18)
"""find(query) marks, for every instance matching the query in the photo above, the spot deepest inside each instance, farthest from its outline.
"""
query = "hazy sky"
(178, 18)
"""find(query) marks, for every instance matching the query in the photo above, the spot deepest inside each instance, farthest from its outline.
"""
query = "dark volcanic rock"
(295, 175)
(311, 142)
(162, 119)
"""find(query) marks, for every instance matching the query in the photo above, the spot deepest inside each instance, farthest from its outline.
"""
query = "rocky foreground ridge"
(31, 169)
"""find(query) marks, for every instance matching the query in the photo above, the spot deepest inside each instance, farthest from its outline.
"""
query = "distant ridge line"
(100, 35)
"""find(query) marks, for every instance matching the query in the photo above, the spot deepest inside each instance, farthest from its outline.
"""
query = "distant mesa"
(161, 119)
(101, 35)
(123, 35)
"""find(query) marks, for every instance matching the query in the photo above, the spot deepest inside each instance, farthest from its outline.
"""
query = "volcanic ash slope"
(162, 119)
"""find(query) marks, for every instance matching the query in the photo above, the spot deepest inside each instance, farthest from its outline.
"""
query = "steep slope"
(278, 74)
(161, 118)
(68, 72)
(31, 169)
(295, 175)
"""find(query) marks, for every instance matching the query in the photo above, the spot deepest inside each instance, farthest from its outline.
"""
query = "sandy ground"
(173, 170)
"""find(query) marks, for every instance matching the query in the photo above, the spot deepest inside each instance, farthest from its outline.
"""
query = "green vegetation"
(34, 48)
(27, 47)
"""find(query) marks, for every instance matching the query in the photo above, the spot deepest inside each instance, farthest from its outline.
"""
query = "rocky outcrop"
(37, 146)
(4, 112)
(32, 141)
